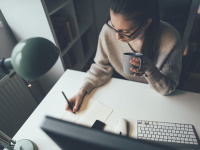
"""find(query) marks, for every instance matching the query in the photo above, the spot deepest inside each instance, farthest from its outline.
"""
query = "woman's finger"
(135, 63)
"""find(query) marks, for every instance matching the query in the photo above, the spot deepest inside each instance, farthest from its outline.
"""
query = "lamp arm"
(5, 65)
(6, 141)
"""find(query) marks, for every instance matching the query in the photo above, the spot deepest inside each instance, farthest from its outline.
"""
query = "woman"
(135, 26)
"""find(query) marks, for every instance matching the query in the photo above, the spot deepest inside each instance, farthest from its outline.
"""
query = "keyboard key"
(182, 125)
(166, 124)
(192, 136)
(190, 126)
(142, 125)
(169, 140)
(139, 130)
(153, 139)
(186, 139)
(190, 139)
(186, 126)
(183, 128)
(157, 136)
(190, 129)
(187, 136)
(195, 140)
(163, 133)
(143, 131)
(154, 123)
(192, 133)
(140, 135)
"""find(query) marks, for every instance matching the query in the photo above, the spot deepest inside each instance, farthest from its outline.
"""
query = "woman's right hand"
(76, 100)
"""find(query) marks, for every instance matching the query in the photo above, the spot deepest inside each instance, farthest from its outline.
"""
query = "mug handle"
(141, 62)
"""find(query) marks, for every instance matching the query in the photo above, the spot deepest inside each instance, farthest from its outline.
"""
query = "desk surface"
(130, 100)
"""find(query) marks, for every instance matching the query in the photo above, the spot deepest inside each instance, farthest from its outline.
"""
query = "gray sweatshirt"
(109, 56)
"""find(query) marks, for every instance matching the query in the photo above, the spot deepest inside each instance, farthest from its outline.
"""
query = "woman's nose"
(118, 36)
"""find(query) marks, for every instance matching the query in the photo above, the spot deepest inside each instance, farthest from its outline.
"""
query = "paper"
(89, 112)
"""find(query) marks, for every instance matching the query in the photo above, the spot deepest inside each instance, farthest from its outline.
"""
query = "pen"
(68, 102)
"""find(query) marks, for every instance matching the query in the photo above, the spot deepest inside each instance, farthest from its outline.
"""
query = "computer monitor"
(77, 137)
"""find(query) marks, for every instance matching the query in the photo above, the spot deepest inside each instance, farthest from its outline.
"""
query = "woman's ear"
(149, 21)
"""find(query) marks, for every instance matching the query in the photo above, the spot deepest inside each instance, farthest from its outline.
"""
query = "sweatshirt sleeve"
(101, 70)
(165, 79)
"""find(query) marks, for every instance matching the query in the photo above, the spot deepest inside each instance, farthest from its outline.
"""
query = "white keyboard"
(174, 134)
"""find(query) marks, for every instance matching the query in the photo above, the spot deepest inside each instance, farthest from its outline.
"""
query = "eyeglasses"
(109, 24)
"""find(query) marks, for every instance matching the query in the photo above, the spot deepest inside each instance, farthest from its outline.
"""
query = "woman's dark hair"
(140, 10)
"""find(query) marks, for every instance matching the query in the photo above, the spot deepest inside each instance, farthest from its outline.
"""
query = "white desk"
(130, 100)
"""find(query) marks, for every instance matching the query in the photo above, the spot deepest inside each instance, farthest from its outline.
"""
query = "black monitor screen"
(77, 137)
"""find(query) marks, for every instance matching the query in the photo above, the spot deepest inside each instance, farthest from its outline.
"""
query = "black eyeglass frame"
(127, 36)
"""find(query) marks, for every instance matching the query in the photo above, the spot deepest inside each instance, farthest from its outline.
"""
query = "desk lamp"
(30, 58)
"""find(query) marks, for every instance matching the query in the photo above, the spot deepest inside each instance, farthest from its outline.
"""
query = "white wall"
(26, 19)
(7, 39)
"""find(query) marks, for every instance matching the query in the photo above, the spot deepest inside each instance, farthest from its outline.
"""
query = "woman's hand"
(148, 67)
(76, 101)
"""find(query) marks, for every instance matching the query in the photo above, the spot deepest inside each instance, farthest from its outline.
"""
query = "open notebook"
(89, 112)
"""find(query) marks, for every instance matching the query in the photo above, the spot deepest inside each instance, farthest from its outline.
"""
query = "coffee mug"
(127, 57)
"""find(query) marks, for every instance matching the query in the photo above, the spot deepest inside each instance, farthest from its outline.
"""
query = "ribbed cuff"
(88, 87)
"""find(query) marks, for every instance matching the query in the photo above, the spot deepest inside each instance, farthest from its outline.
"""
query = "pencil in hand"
(70, 106)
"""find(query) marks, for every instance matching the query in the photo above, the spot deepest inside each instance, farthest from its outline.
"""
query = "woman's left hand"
(147, 67)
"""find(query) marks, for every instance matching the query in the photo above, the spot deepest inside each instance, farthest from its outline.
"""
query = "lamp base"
(25, 145)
